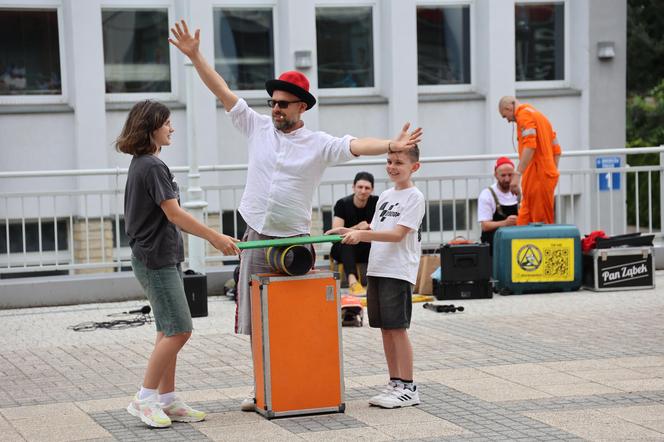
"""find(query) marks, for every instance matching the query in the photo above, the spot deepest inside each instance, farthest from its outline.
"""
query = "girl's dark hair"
(143, 119)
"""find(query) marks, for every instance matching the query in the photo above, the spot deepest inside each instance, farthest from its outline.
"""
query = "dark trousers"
(349, 256)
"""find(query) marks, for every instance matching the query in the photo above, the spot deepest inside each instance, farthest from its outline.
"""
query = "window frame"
(548, 84)
(376, 33)
(124, 97)
(61, 98)
(452, 88)
(237, 5)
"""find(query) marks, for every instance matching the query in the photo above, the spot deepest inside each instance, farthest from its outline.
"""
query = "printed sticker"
(543, 260)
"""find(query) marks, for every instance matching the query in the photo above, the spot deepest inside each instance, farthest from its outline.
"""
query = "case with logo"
(619, 268)
(296, 342)
(537, 258)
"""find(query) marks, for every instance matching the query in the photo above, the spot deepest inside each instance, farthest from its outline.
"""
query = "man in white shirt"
(286, 161)
(497, 206)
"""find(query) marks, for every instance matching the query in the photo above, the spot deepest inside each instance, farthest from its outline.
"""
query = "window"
(244, 47)
(345, 47)
(327, 219)
(454, 216)
(540, 41)
(30, 53)
(443, 45)
(136, 50)
(28, 236)
(124, 239)
(232, 223)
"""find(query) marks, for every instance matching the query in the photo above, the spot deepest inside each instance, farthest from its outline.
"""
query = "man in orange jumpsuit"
(539, 153)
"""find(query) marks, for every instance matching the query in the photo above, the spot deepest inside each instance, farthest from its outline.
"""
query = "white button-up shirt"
(284, 171)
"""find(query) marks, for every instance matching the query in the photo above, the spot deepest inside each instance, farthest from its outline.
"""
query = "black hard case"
(195, 288)
(619, 268)
(465, 262)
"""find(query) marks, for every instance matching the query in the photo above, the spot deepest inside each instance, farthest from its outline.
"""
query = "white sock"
(167, 399)
(146, 393)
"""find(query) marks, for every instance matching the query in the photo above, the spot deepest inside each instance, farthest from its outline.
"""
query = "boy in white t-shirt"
(392, 270)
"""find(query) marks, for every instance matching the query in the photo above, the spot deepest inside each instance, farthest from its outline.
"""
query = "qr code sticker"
(556, 261)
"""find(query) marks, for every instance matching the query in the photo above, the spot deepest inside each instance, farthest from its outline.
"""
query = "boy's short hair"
(413, 153)
(365, 176)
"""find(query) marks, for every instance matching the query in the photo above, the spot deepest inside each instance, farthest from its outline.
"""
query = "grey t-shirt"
(154, 240)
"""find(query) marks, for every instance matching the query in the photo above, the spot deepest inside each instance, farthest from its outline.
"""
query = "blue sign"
(609, 180)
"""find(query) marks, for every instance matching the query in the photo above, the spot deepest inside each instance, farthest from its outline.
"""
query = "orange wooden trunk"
(296, 339)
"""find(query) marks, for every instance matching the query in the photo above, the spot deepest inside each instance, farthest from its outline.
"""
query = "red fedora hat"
(295, 83)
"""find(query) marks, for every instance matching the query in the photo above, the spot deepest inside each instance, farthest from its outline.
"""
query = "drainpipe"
(195, 203)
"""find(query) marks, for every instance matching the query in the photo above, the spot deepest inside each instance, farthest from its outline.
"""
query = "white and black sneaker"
(398, 397)
(249, 403)
(386, 390)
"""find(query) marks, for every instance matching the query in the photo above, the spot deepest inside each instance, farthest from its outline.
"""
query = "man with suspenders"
(497, 206)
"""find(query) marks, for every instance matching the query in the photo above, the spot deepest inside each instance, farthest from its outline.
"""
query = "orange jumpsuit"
(540, 178)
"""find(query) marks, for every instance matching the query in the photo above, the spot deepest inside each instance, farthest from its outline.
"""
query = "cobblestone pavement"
(564, 366)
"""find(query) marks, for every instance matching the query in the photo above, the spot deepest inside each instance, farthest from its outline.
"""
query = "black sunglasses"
(283, 104)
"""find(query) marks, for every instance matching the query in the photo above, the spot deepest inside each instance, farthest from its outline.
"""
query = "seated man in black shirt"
(356, 212)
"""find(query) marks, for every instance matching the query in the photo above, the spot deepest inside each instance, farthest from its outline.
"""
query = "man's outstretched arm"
(377, 146)
(188, 45)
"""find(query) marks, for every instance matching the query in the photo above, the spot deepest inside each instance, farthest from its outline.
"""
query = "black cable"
(116, 324)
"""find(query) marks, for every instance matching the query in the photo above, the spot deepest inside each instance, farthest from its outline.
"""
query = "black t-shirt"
(154, 240)
(346, 210)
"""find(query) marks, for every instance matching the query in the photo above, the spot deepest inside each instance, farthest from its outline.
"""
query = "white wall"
(83, 138)
(37, 142)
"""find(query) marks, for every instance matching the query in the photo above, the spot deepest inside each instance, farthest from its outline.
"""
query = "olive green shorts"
(165, 292)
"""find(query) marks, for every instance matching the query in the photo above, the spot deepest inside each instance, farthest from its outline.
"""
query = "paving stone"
(485, 374)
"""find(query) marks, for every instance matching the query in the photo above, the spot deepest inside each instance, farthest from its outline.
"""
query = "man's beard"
(504, 187)
(283, 124)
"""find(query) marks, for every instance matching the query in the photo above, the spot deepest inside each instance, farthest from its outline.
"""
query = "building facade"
(71, 69)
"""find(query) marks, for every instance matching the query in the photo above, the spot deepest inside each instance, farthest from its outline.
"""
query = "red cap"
(503, 160)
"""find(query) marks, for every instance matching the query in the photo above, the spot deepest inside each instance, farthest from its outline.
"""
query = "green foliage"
(645, 127)
(645, 45)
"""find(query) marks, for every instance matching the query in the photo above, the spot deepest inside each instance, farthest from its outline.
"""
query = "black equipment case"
(619, 268)
(465, 272)
(195, 288)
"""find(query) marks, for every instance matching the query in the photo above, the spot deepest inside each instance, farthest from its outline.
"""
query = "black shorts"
(389, 302)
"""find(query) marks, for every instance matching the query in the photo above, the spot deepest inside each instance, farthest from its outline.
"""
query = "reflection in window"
(30, 52)
(443, 45)
(136, 53)
(540, 42)
(243, 47)
(344, 39)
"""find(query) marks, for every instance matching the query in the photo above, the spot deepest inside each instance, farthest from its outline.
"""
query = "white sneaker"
(149, 411)
(178, 411)
(249, 403)
(386, 390)
(398, 397)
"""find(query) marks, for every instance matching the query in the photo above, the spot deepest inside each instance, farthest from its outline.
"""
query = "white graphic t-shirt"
(399, 260)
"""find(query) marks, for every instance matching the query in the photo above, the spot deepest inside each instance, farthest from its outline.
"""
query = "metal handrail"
(448, 195)
(362, 162)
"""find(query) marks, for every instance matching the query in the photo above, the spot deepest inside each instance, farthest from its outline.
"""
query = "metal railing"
(51, 229)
